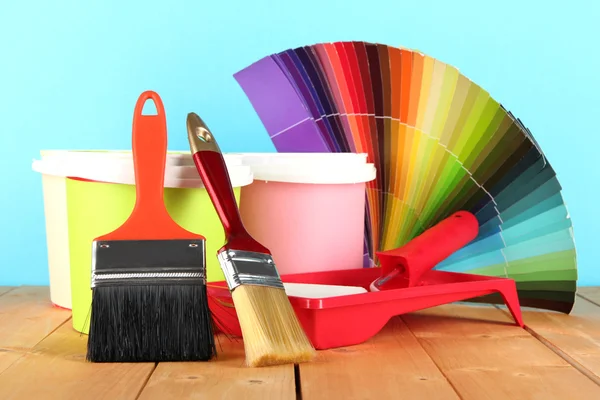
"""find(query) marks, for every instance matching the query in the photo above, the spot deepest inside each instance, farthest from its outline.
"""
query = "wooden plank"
(590, 293)
(56, 370)
(6, 289)
(391, 365)
(27, 316)
(575, 337)
(223, 378)
(485, 356)
(8, 357)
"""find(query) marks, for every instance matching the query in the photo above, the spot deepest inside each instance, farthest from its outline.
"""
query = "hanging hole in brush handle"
(149, 108)
(204, 136)
(149, 147)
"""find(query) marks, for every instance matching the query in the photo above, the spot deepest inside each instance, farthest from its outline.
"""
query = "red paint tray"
(349, 320)
(406, 283)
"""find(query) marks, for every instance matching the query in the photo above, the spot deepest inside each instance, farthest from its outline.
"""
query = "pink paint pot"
(308, 209)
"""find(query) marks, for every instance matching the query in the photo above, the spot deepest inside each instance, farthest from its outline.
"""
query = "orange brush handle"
(150, 218)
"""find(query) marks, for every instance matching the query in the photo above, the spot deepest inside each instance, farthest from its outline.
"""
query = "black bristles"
(150, 323)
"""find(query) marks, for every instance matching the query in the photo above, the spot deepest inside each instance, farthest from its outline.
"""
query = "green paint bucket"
(100, 195)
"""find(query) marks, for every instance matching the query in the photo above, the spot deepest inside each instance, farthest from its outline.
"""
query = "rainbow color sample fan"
(441, 144)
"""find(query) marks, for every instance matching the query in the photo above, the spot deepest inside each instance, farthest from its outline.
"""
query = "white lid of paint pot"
(286, 158)
(118, 168)
(177, 158)
(316, 168)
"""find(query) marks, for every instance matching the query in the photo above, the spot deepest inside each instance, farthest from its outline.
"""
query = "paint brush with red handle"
(271, 332)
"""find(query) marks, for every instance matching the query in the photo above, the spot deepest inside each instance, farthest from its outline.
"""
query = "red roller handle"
(404, 266)
(213, 172)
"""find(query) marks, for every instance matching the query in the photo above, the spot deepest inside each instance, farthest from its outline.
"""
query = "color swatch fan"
(440, 143)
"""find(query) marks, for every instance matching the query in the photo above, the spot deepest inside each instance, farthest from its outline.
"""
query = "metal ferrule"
(148, 262)
(249, 268)
(156, 277)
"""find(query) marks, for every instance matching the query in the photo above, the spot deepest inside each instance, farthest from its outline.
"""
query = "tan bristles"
(271, 331)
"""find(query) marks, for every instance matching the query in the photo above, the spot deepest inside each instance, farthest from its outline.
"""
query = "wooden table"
(448, 352)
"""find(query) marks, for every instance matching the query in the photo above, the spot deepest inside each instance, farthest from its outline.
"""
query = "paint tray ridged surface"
(440, 143)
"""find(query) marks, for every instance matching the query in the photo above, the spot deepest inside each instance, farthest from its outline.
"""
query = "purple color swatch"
(279, 108)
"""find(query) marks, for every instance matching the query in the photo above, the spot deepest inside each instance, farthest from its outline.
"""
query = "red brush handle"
(409, 262)
(149, 218)
(213, 172)
(212, 169)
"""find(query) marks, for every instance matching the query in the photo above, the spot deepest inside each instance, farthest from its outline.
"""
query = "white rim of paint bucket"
(286, 158)
(112, 168)
(175, 158)
(316, 168)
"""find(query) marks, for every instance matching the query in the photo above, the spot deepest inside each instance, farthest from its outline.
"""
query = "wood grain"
(8, 357)
(223, 378)
(485, 356)
(27, 316)
(392, 365)
(56, 370)
(449, 352)
(591, 294)
(6, 289)
(575, 337)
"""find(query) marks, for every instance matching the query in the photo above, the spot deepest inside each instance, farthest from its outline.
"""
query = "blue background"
(71, 71)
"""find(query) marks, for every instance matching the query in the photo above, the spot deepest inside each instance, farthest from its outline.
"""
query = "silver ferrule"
(148, 262)
(181, 276)
(249, 268)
